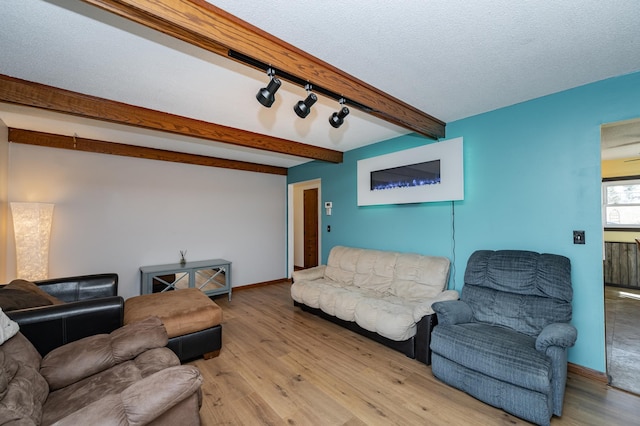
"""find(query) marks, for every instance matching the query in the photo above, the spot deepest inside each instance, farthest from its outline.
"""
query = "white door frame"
(291, 216)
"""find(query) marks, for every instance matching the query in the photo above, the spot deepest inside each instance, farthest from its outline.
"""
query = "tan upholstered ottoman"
(193, 321)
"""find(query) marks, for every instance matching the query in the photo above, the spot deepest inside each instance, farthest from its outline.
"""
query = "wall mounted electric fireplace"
(431, 172)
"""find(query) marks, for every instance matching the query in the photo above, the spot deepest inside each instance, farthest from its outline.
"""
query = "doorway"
(304, 224)
(622, 316)
(310, 227)
(620, 153)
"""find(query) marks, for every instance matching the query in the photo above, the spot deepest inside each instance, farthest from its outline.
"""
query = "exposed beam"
(51, 140)
(202, 24)
(26, 93)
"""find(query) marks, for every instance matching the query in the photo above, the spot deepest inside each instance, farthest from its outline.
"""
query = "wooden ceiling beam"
(51, 140)
(202, 24)
(26, 93)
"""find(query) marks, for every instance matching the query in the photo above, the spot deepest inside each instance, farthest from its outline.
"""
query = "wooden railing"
(621, 264)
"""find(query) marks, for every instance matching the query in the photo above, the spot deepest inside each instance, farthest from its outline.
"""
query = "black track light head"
(337, 118)
(303, 108)
(266, 95)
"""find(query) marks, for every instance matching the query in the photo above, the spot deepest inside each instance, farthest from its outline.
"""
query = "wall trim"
(588, 373)
(262, 284)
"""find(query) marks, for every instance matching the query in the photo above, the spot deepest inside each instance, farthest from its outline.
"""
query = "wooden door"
(310, 197)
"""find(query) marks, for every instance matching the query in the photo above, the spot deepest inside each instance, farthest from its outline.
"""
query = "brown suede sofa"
(127, 377)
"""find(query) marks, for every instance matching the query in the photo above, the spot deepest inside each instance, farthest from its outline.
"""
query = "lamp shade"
(32, 229)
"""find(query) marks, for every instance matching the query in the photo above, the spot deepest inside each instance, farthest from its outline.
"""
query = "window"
(621, 203)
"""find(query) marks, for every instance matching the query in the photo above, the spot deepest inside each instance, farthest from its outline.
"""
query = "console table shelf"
(212, 276)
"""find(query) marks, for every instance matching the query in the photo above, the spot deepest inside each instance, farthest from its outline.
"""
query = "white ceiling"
(449, 58)
(620, 139)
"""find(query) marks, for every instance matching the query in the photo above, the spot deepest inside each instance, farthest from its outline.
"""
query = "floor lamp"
(32, 230)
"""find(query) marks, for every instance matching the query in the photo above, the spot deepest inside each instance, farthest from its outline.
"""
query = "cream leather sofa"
(383, 295)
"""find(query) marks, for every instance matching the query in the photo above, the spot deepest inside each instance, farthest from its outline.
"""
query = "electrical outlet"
(578, 237)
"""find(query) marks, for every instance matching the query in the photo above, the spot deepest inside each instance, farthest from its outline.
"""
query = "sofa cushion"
(25, 285)
(22, 294)
(154, 360)
(526, 314)
(8, 369)
(420, 277)
(22, 389)
(391, 320)
(172, 386)
(12, 299)
(308, 292)
(182, 311)
(374, 269)
(521, 272)
(496, 352)
(341, 264)
(341, 302)
(522, 290)
(64, 401)
(8, 327)
(20, 348)
(69, 363)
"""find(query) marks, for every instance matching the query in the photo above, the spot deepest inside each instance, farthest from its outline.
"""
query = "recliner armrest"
(48, 327)
(77, 360)
(81, 287)
(143, 401)
(452, 312)
(563, 335)
(425, 307)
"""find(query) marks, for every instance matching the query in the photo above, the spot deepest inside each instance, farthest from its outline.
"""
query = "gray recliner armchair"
(505, 341)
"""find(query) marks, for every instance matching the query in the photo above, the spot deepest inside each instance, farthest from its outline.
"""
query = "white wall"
(4, 166)
(115, 214)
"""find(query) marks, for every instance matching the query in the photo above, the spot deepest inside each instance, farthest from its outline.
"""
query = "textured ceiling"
(621, 139)
(457, 58)
(450, 59)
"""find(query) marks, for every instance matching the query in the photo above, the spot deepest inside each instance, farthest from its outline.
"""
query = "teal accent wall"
(532, 176)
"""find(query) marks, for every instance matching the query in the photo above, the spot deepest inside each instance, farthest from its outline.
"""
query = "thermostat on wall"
(328, 205)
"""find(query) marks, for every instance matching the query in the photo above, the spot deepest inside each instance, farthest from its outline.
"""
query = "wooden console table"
(212, 276)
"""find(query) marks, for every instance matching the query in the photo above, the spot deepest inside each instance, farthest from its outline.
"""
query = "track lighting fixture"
(266, 95)
(303, 108)
(337, 118)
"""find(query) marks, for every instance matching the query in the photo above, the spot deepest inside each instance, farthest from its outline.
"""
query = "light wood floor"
(282, 366)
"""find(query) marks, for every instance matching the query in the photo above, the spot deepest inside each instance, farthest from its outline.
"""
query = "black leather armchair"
(91, 306)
